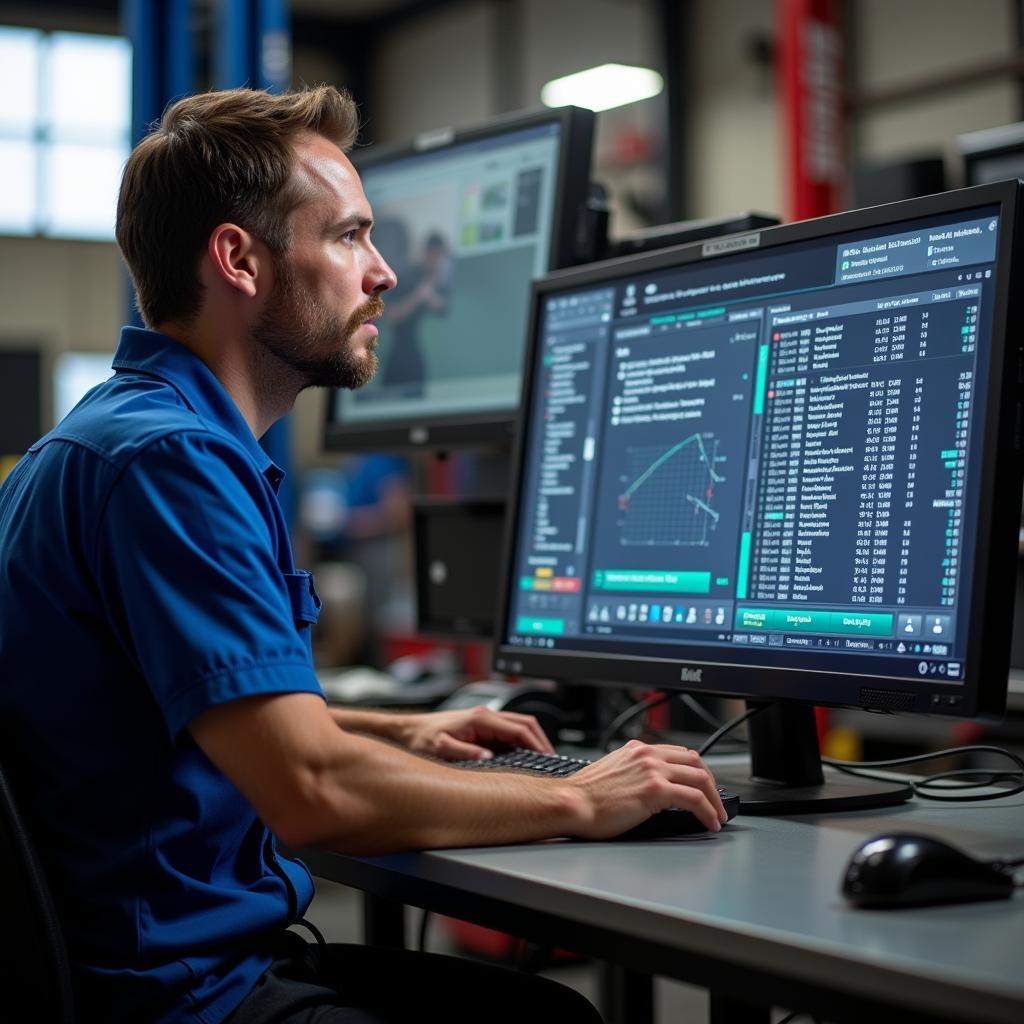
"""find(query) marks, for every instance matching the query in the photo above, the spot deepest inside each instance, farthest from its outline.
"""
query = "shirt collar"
(161, 356)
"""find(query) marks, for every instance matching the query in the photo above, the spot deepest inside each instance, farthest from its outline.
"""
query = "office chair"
(34, 973)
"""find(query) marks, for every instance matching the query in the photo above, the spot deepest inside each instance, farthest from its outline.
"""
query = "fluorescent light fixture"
(601, 88)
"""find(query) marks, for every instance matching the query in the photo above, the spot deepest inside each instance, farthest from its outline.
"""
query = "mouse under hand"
(908, 870)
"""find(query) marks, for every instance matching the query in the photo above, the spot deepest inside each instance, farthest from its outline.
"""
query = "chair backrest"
(34, 971)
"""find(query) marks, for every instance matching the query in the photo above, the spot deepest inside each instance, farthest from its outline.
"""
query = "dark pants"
(342, 984)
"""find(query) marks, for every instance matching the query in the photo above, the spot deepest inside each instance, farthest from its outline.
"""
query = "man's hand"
(637, 780)
(470, 733)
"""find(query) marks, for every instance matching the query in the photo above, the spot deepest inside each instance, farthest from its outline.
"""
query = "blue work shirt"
(146, 575)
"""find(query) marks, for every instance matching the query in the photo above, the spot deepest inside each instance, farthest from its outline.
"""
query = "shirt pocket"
(305, 602)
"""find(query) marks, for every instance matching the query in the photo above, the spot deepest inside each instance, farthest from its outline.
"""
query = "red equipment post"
(811, 69)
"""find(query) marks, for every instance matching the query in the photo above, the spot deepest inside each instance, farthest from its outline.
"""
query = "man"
(161, 719)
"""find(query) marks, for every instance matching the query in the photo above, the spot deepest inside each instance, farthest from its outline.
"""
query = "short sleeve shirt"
(146, 576)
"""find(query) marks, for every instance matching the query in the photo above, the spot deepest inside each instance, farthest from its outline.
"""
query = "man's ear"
(236, 257)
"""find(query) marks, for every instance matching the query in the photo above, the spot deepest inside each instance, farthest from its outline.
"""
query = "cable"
(924, 787)
(634, 710)
(940, 781)
(422, 942)
(729, 726)
(986, 777)
(313, 930)
(701, 712)
(624, 717)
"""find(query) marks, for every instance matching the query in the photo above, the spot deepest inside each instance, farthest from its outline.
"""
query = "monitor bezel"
(492, 427)
(991, 593)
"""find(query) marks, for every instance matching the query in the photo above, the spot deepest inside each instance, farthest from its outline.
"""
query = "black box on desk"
(457, 555)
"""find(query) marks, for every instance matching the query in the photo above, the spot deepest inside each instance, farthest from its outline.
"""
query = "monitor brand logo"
(690, 675)
(731, 244)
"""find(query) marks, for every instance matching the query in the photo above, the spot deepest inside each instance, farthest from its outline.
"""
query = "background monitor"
(21, 417)
(788, 474)
(466, 219)
(890, 181)
(994, 154)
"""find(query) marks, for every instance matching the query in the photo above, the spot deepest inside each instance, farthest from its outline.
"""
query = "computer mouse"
(908, 870)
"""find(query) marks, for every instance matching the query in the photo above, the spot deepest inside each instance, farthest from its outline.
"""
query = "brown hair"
(215, 158)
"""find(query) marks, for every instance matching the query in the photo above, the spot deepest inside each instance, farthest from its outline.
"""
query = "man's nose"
(380, 277)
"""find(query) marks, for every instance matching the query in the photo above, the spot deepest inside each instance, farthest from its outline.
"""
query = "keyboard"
(673, 821)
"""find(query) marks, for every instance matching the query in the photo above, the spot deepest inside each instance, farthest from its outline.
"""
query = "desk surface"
(757, 905)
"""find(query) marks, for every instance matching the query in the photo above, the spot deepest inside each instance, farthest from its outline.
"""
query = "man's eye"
(349, 237)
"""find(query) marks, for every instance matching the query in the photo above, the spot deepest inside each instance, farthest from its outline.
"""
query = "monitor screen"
(781, 466)
(466, 220)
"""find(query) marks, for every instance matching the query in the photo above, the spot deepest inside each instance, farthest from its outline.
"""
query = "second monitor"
(466, 220)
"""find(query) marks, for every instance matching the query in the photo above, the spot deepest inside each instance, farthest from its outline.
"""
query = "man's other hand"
(471, 733)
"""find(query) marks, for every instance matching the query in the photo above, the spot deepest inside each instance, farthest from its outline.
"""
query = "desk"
(753, 914)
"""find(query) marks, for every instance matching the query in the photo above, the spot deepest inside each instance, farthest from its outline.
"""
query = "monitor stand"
(786, 774)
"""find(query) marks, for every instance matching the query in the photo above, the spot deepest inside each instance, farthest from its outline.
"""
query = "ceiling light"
(601, 88)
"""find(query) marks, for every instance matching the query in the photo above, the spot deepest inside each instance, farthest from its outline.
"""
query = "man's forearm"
(316, 784)
(386, 725)
(385, 799)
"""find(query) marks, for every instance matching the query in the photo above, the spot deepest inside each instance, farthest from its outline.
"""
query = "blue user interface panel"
(773, 450)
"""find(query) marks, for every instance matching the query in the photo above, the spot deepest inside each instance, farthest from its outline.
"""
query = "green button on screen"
(801, 620)
(655, 581)
(548, 627)
(752, 618)
(868, 624)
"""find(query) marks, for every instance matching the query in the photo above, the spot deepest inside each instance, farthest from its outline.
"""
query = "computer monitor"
(466, 219)
(21, 418)
(784, 467)
(993, 154)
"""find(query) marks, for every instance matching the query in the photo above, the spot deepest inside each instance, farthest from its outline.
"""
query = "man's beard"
(312, 339)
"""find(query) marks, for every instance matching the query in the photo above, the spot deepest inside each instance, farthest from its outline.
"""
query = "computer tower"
(457, 551)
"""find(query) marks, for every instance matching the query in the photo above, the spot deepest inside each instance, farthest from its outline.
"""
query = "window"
(65, 131)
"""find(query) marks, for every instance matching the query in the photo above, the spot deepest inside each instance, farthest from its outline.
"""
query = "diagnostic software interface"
(771, 450)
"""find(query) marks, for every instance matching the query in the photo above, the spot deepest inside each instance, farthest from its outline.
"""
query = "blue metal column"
(163, 56)
(251, 48)
(233, 52)
(274, 38)
(163, 67)
(252, 45)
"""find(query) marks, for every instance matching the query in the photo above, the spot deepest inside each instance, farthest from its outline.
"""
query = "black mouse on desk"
(908, 870)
